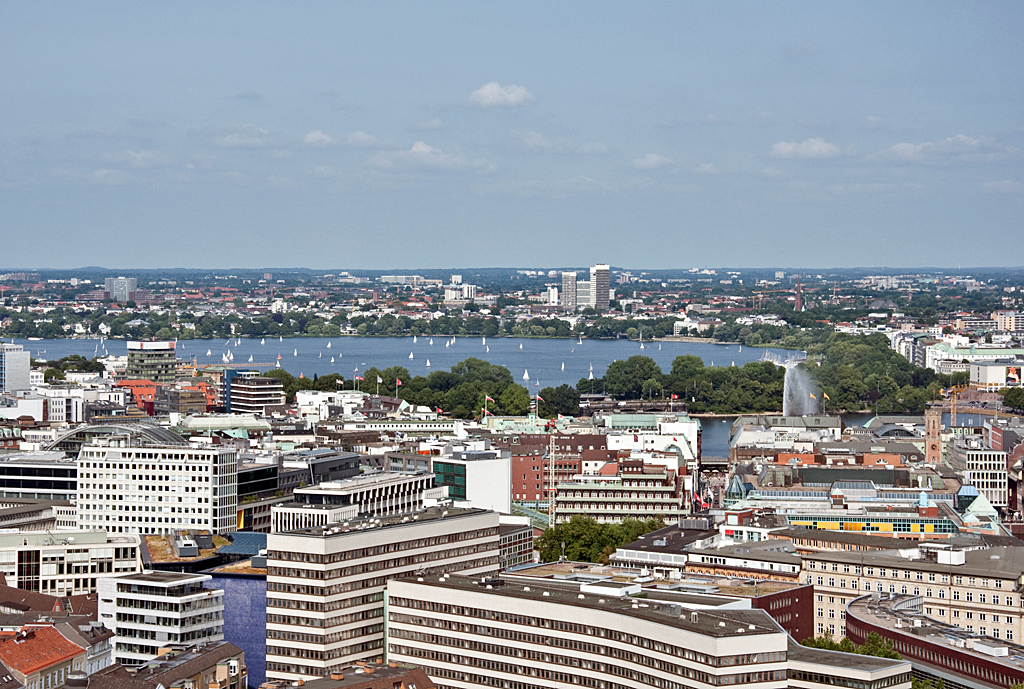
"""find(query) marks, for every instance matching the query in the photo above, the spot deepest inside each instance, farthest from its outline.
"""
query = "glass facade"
(245, 619)
(453, 476)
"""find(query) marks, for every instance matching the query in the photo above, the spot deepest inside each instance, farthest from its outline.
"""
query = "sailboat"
(263, 340)
(414, 339)
(320, 355)
(224, 358)
(410, 355)
(483, 341)
(278, 357)
(295, 353)
(231, 356)
(741, 348)
(447, 344)
(328, 344)
(591, 367)
(563, 365)
(641, 340)
(208, 352)
(250, 358)
(280, 338)
(488, 349)
(520, 345)
(526, 374)
(277, 364)
(332, 359)
(428, 363)
(659, 346)
(581, 340)
(431, 342)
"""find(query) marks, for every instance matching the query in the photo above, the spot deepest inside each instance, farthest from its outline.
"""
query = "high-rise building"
(569, 291)
(247, 392)
(156, 489)
(154, 610)
(15, 364)
(600, 293)
(326, 585)
(151, 361)
(120, 289)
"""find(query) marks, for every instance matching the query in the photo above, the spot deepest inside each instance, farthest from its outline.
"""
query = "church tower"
(933, 435)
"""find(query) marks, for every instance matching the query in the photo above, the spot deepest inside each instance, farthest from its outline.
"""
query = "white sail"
(277, 364)
(520, 345)
(328, 344)
(250, 358)
(295, 353)
(332, 359)
(208, 352)
(320, 355)
(563, 365)
(428, 363)
(483, 341)
(414, 339)
(280, 338)
(526, 374)
(488, 349)
(263, 340)
(641, 345)
(431, 341)
(591, 375)
(410, 355)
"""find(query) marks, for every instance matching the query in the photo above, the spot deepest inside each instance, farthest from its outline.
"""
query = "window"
(956, 595)
(831, 613)
(821, 612)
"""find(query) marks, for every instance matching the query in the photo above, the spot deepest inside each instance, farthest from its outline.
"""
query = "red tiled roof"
(39, 649)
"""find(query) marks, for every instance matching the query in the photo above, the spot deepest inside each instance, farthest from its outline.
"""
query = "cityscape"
(511, 346)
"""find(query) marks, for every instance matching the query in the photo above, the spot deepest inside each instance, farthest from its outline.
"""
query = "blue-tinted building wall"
(245, 618)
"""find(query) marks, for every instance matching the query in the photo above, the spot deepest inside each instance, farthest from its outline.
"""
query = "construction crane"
(953, 393)
(760, 295)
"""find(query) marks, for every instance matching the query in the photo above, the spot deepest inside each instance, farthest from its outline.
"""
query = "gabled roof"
(36, 648)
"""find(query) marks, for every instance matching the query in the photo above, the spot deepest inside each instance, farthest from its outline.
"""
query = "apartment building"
(156, 489)
(497, 633)
(326, 585)
(974, 589)
(151, 611)
(67, 563)
(15, 362)
(153, 361)
(628, 490)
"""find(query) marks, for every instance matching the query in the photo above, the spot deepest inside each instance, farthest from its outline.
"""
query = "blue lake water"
(549, 362)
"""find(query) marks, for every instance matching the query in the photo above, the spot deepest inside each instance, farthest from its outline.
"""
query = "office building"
(247, 392)
(477, 478)
(981, 467)
(569, 291)
(151, 611)
(156, 489)
(120, 289)
(68, 563)
(151, 361)
(499, 633)
(376, 493)
(38, 476)
(628, 490)
(38, 657)
(326, 585)
(600, 294)
(15, 363)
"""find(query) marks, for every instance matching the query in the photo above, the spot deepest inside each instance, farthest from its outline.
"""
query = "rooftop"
(36, 648)
(720, 623)
(362, 524)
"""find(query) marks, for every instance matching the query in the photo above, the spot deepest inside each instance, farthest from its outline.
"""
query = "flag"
(560, 417)
(812, 396)
(358, 378)
(539, 398)
(398, 382)
(440, 411)
(487, 412)
(379, 379)
(488, 398)
(825, 394)
(674, 396)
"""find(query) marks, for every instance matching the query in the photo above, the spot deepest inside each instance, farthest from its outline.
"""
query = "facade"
(633, 491)
(120, 289)
(600, 290)
(151, 361)
(378, 493)
(981, 467)
(326, 586)
(972, 589)
(154, 610)
(40, 657)
(569, 291)
(992, 376)
(66, 563)
(516, 541)
(247, 392)
(156, 489)
(179, 401)
(245, 615)
(480, 479)
(220, 665)
(497, 633)
(38, 476)
(15, 363)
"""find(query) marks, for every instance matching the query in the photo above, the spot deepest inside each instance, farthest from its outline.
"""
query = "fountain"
(798, 388)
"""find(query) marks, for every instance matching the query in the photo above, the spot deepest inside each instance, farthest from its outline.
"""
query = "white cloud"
(433, 125)
(424, 156)
(1006, 186)
(493, 94)
(872, 122)
(960, 148)
(318, 138)
(707, 169)
(775, 173)
(138, 159)
(807, 149)
(362, 139)
(535, 141)
(242, 136)
(108, 177)
(651, 161)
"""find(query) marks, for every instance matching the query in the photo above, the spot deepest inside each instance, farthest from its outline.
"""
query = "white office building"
(15, 363)
(156, 489)
(154, 610)
(326, 586)
(66, 563)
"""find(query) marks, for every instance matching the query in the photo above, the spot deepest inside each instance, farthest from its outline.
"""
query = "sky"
(523, 134)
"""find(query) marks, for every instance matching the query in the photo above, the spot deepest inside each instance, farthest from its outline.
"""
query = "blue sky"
(410, 134)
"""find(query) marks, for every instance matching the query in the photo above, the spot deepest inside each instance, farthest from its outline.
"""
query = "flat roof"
(717, 623)
(998, 562)
(160, 577)
(359, 525)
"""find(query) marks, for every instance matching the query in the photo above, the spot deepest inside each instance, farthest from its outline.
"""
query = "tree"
(1014, 398)
(515, 400)
(874, 645)
(625, 379)
(588, 541)
(564, 400)
(52, 374)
